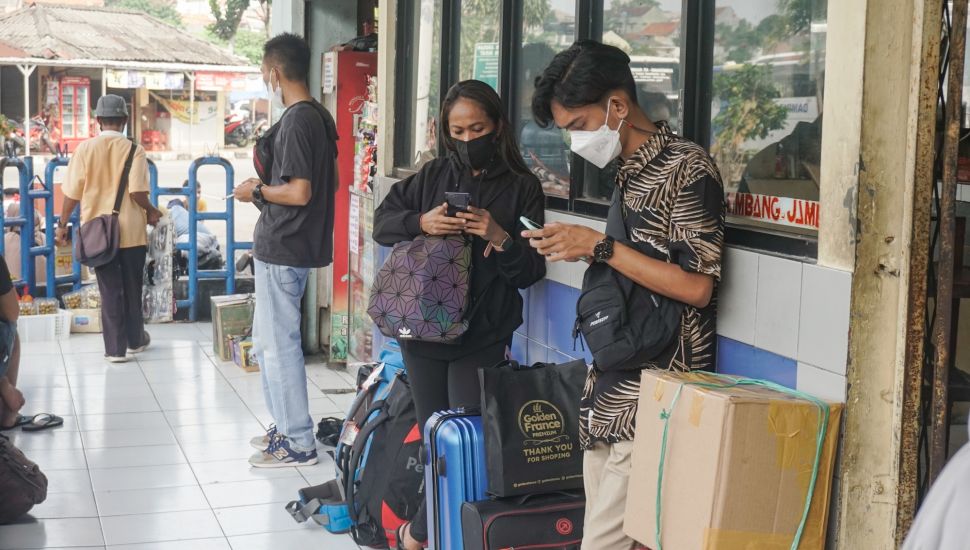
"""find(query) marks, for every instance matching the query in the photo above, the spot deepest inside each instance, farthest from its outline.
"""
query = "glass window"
(649, 31)
(480, 35)
(420, 86)
(547, 28)
(766, 126)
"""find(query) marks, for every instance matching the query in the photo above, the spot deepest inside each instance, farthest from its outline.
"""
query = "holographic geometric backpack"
(421, 291)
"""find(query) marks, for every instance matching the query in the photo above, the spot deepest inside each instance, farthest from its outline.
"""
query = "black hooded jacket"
(496, 305)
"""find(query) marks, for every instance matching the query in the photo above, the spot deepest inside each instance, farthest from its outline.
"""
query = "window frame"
(695, 88)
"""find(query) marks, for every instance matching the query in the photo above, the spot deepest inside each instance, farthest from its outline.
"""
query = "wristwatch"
(258, 195)
(603, 250)
(506, 242)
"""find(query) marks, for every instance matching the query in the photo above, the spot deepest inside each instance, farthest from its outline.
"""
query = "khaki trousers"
(606, 473)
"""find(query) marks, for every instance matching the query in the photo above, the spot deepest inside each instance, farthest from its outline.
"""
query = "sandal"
(21, 420)
(43, 421)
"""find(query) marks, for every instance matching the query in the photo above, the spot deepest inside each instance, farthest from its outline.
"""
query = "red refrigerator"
(344, 87)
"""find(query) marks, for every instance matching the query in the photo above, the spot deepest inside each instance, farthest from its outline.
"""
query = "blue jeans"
(277, 343)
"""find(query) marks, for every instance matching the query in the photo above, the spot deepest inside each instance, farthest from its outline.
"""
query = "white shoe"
(147, 339)
(117, 359)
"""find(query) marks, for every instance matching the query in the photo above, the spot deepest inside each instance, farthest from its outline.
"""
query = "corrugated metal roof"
(70, 32)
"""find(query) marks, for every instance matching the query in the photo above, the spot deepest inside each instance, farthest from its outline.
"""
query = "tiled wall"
(778, 319)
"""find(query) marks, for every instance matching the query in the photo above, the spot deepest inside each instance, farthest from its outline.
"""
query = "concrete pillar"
(288, 16)
(894, 103)
(386, 61)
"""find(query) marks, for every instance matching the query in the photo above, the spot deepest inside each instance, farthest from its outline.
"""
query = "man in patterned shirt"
(672, 189)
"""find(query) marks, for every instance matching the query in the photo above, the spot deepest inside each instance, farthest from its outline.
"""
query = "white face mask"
(598, 146)
(275, 95)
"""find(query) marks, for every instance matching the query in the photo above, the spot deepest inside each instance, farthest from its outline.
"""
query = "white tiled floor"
(153, 453)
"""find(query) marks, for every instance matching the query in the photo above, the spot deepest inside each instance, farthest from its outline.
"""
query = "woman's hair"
(488, 100)
(580, 76)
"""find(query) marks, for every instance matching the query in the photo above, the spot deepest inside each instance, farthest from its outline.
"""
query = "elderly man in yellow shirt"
(93, 176)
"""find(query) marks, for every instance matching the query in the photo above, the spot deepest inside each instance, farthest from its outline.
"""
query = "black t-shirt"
(6, 285)
(305, 147)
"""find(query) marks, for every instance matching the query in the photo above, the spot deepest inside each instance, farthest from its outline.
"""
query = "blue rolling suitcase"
(455, 473)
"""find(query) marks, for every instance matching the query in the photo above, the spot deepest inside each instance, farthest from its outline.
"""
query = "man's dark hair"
(582, 75)
(113, 120)
(291, 54)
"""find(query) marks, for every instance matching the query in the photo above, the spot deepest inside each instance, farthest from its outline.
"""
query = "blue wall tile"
(537, 328)
(520, 348)
(734, 357)
(538, 353)
(561, 315)
(524, 328)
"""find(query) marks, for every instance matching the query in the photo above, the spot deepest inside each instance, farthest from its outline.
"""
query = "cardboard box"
(86, 320)
(231, 316)
(737, 468)
(242, 354)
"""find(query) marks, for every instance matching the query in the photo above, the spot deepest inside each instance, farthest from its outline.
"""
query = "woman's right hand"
(436, 222)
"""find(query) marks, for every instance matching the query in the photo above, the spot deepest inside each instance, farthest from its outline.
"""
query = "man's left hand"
(479, 222)
(244, 192)
(564, 241)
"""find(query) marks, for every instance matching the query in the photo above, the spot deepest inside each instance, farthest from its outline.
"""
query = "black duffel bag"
(530, 416)
(549, 521)
(625, 325)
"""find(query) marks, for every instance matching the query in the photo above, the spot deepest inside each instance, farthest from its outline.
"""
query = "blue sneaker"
(280, 455)
(262, 442)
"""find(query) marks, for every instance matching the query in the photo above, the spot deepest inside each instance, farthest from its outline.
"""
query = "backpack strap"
(123, 184)
(357, 455)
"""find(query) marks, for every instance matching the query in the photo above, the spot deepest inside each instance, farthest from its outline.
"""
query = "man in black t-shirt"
(11, 399)
(293, 235)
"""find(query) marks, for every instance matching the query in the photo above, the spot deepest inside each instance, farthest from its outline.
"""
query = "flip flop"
(21, 421)
(43, 421)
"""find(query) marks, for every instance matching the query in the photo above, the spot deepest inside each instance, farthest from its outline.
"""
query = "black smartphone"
(457, 202)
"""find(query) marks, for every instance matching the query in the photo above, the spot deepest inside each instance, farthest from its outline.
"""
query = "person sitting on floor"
(12, 399)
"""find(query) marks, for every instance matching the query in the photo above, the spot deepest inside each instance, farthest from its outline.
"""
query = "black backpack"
(624, 324)
(263, 149)
(22, 484)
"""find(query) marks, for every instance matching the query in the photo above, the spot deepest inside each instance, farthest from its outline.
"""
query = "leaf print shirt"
(673, 189)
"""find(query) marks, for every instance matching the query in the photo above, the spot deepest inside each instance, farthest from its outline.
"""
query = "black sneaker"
(146, 341)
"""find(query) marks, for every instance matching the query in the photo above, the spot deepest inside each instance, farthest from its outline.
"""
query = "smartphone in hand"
(529, 224)
(457, 202)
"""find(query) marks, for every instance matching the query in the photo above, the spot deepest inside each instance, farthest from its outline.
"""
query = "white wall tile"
(559, 272)
(821, 383)
(779, 300)
(738, 295)
(823, 328)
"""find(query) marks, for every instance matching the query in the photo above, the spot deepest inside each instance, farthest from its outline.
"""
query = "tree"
(748, 111)
(227, 22)
(265, 12)
(249, 44)
(159, 9)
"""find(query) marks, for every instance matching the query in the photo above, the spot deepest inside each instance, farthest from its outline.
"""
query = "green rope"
(732, 382)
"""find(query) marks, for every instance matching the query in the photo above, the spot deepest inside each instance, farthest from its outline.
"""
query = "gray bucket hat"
(111, 106)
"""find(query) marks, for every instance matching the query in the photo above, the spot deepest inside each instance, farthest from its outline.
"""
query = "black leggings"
(439, 385)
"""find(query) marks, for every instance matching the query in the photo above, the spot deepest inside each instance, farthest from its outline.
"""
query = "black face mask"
(478, 153)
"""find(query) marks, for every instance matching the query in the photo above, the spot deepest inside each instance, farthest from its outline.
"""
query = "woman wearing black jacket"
(483, 160)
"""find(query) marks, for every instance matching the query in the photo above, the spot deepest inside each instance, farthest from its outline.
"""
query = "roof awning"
(136, 65)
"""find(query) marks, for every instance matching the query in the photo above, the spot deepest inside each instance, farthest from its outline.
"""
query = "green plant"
(248, 44)
(159, 9)
(227, 21)
(749, 111)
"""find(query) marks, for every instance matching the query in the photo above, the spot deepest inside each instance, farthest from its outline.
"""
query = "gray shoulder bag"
(100, 238)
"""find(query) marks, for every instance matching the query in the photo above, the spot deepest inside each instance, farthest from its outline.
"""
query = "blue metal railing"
(192, 248)
(74, 279)
(25, 169)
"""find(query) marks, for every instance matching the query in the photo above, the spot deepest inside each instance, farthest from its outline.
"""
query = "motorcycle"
(40, 138)
(238, 130)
